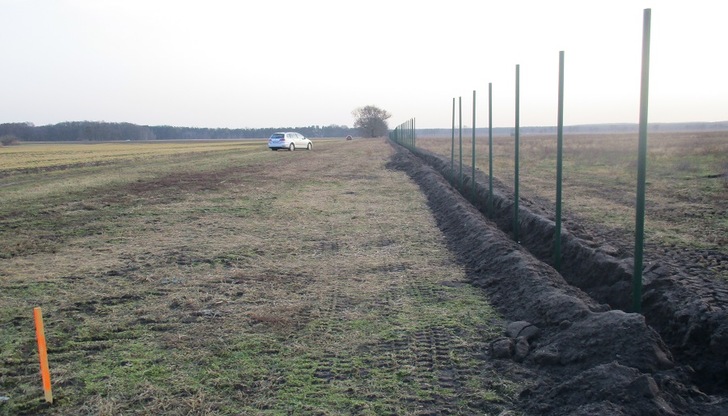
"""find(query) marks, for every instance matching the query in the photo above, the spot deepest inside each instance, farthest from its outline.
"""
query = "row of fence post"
(405, 135)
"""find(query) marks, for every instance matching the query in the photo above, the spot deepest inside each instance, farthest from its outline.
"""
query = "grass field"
(687, 181)
(223, 278)
(30, 156)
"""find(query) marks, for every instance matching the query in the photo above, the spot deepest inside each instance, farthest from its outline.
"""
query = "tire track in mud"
(441, 370)
(610, 352)
(443, 373)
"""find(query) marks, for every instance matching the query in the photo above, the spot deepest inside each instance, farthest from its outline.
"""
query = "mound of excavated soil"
(589, 358)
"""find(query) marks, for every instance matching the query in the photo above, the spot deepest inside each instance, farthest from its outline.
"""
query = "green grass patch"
(200, 283)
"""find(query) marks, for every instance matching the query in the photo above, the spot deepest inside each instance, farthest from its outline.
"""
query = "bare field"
(43, 156)
(687, 187)
(235, 280)
(347, 280)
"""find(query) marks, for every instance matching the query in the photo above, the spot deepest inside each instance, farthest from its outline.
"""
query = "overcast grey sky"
(287, 63)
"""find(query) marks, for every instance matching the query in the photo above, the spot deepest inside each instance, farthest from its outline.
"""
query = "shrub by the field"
(8, 140)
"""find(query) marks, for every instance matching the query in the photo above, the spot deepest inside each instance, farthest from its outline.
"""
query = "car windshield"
(276, 136)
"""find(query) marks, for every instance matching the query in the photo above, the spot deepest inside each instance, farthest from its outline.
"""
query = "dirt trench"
(591, 356)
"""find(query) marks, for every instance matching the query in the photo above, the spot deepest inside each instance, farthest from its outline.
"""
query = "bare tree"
(371, 121)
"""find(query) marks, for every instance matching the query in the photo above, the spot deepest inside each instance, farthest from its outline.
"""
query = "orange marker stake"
(43, 353)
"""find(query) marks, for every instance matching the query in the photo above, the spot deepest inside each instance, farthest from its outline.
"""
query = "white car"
(289, 140)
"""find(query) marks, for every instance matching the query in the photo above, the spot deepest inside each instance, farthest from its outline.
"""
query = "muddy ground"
(572, 331)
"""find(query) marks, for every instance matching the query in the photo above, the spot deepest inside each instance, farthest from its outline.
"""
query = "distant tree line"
(104, 131)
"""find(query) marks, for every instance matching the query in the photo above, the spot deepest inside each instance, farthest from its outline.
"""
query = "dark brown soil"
(589, 355)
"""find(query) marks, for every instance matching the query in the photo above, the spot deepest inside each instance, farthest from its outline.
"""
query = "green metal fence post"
(490, 149)
(414, 133)
(460, 100)
(407, 135)
(641, 166)
(559, 164)
(452, 147)
(517, 134)
(472, 174)
(403, 134)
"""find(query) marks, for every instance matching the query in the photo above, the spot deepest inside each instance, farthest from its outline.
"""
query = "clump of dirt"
(590, 358)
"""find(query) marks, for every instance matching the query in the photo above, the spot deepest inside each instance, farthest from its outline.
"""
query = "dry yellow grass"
(687, 181)
(46, 155)
(226, 282)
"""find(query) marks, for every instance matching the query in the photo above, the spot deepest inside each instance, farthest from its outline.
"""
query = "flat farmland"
(222, 278)
(45, 156)
(687, 188)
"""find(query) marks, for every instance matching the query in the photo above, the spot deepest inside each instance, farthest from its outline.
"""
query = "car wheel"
(273, 149)
(309, 146)
(292, 147)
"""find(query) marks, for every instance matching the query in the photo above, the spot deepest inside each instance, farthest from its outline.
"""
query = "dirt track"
(590, 356)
